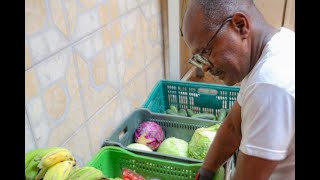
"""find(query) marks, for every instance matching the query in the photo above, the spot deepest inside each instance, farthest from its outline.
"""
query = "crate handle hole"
(207, 91)
(123, 132)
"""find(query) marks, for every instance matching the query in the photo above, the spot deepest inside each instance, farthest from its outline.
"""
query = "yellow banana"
(55, 157)
(59, 171)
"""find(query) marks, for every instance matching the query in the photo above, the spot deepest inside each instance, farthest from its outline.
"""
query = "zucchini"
(204, 116)
(174, 108)
(221, 114)
(190, 112)
(170, 111)
(183, 112)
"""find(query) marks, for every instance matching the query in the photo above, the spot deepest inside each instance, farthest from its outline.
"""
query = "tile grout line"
(87, 35)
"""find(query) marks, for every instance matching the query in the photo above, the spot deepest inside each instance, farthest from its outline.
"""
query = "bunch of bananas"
(57, 163)
(48, 163)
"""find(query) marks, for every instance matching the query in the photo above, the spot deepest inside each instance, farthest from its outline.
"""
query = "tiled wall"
(88, 63)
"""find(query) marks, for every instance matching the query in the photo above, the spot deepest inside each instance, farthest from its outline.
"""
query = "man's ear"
(241, 24)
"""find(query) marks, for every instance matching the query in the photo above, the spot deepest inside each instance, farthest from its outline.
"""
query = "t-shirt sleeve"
(267, 126)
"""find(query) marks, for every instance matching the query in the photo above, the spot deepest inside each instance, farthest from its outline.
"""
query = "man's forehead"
(193, 28)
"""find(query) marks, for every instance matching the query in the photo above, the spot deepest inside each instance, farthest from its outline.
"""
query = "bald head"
(215, 11)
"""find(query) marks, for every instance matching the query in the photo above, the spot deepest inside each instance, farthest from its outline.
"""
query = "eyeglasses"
(198, 60)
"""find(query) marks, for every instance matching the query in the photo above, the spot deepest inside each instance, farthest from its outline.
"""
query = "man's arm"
(226, 141)
(253, 168)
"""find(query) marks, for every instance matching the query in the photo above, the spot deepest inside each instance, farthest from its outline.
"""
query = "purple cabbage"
(150, 134)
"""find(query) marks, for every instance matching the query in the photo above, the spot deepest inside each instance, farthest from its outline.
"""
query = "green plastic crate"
(173, 126)
(200, 97)
(111, 160)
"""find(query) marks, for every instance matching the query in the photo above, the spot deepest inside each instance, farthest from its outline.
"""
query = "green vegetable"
(170, 111)
(183, 112)
(139, 147)
(201, 140)
(174, 108)
(117, 178)
(190, 112)
(204, 116)
(174, 146)
(221, 114)
(219, 174)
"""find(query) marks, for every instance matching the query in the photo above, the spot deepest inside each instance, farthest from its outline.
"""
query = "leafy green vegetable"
(174, 146)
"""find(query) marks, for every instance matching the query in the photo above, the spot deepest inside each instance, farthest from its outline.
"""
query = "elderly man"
(232, 40)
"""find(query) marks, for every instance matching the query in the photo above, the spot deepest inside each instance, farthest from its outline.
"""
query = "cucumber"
(204, 116)
(221, 114)
(174, 108)
(190, 112)
(183, 112)
(170, 111)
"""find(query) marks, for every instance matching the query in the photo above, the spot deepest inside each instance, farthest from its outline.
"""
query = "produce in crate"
(174, 146)
(222, 114)
(201, 140)
(173, 110)
(204, 116)
(128, 174)
(139, 147)
(150, 134)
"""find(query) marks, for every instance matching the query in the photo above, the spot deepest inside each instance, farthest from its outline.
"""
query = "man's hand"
(253, 168)
(226, 141)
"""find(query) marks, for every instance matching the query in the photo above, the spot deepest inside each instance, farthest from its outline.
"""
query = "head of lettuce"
(201, 141)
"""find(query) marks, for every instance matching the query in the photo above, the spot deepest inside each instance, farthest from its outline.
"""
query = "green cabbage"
(174, 146)
(139, 146)
(201, 141)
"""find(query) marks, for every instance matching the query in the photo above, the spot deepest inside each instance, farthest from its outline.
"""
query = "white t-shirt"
(267, 100)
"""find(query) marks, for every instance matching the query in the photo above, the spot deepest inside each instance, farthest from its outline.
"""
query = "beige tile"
(87, 22)
(55, 101)
(89, 47)
(104, 122)
(99, 70)
(45, 43)
(116, 30)
(154, 41)
(134, 60)
(107, 36)
(154, 73)
(129, 45)
(154, 29)
(88, 4)
(131, 4)
(114, 9)
(73, 117)
(94, 97)
(35, 15)
(58, 17)
(71, 10)
(79, 145)
(31, 84)
(27, 56)
(104, 14)
(136, 91)
(29, 141)
(39, 122)
(54, 68)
